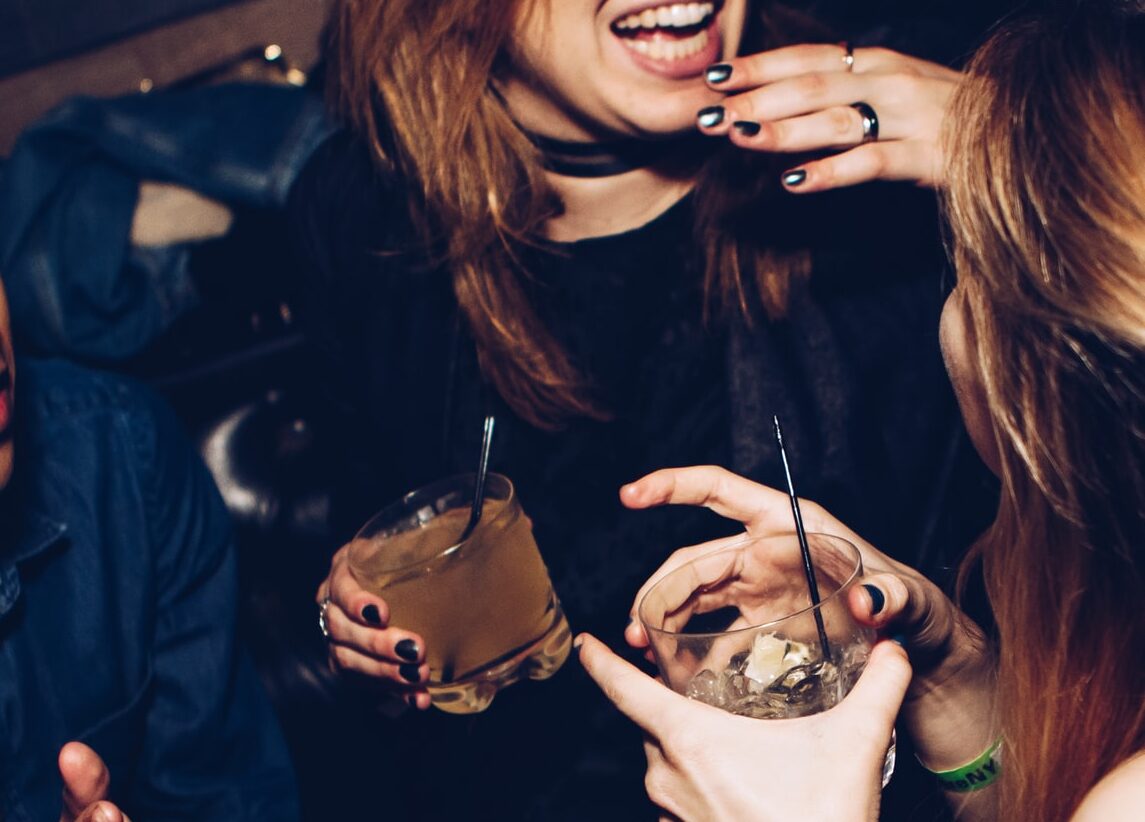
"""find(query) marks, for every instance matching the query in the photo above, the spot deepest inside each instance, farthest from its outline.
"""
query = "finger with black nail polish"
(372, 615)
(877, 599)
(718, 73)
(407, 650)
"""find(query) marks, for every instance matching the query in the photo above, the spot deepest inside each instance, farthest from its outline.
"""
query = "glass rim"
(856, 573)
(406, 498)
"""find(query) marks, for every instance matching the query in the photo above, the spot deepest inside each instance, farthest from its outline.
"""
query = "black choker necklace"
(598, 159)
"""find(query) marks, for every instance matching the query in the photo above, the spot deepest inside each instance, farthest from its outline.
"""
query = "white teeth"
(667, 50)
(674, 15)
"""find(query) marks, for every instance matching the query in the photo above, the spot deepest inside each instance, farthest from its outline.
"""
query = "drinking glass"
(737, 629)
(484, 606)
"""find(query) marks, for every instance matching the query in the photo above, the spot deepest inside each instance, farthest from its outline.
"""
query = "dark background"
(33, 32)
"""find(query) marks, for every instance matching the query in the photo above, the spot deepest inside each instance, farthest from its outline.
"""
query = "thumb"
(102, 812)
(637, 695)
(85, 777)
(882, 686)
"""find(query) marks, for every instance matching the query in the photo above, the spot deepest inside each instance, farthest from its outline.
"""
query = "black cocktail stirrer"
(479, 481)
(804, 548)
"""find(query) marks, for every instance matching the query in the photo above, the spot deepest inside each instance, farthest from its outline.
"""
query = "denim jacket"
(117, 614)
(77, 286)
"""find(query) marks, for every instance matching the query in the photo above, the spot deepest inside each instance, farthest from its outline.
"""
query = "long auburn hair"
(413, 77)
(1046, 202)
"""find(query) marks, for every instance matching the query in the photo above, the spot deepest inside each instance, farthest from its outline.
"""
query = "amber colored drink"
(485, 607)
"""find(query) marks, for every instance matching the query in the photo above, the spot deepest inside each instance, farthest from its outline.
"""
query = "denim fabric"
(117, 613)
(68, 193)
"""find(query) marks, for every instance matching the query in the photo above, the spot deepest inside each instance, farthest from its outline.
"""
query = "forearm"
(951, 717)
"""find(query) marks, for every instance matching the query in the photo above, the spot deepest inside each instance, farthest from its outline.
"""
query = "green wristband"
(975, 775)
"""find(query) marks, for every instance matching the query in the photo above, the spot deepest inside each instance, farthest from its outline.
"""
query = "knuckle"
(741, 107)
(811, 87)
(380, 644)
(656, 784)
(877, 160)
(826, 176)
(777, 133)
(903, 88)
(678, 742)
(843, 124)
(677, 557)
(340, 656)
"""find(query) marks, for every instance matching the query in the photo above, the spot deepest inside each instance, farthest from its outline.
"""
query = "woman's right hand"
(802, 99)
(362, 640)
(943, 643)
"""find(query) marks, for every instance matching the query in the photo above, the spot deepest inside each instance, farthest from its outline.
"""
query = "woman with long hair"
(582, 217)
(1044, 338)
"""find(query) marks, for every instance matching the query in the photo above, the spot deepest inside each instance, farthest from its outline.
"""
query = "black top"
(853, 371)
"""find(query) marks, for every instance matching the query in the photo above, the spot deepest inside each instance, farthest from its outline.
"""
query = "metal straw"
(804, 548)
(479, 481)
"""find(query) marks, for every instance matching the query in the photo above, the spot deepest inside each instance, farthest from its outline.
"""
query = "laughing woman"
(584, 216)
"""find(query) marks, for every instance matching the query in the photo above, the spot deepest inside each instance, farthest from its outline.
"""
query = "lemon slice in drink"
(771, 657)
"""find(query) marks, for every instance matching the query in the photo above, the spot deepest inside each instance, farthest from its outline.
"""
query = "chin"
(673, 117)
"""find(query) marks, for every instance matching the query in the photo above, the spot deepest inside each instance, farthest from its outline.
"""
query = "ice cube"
(706, 686)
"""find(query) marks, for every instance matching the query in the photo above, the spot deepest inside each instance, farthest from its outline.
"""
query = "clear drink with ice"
(736, 628)
(780, 679)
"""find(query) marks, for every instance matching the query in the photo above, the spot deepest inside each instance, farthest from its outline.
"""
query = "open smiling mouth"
(673, 31)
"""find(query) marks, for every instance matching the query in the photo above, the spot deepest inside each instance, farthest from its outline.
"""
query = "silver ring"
(870, 122)
(323, 626)
(848, 56)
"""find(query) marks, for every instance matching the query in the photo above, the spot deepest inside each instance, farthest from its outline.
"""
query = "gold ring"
(848, 56)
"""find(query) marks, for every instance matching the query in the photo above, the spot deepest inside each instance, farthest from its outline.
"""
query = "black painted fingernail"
(794, 178)
(899, 640)
(877, 599)
(407, 649)
(746, 127)
(710, 116)
(371, 614)
(717, 73)
(409, 672)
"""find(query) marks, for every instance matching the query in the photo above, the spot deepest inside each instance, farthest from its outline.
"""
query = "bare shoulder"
(1120, 795)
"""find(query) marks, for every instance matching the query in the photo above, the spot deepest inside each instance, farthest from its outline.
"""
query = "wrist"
(977, 774)
(965, 662)
(950, 713)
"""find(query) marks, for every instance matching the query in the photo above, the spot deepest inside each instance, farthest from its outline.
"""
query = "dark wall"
(33, 32)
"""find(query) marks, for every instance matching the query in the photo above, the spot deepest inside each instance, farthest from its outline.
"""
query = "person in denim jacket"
(121, 683)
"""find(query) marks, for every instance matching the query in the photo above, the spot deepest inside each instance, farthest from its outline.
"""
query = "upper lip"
(636, 8)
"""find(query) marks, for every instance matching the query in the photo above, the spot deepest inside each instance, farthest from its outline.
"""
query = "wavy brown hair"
(413, 77)
(1046, 203)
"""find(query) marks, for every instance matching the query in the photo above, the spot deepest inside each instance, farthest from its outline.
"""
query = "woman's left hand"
(809, 97)
(704, 763)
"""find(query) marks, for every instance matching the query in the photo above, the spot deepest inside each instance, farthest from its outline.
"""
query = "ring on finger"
(848, 56)
(870, 122)
(323, 625)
